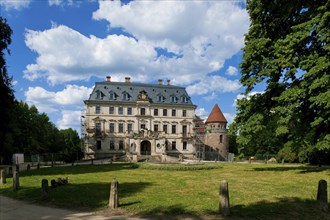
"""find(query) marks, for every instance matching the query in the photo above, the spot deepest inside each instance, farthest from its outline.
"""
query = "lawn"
(257, 191)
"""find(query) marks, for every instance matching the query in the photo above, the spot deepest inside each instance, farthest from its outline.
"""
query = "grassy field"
(257, 191)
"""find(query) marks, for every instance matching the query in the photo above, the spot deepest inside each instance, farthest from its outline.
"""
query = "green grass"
(256, 191)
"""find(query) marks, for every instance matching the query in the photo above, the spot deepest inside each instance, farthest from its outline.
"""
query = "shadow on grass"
(80, 197)
(80, 169)
(283, 208)
(300, 169)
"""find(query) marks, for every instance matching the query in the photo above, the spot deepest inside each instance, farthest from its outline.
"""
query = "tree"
(71, 145)
(287, 49)
(6, 93)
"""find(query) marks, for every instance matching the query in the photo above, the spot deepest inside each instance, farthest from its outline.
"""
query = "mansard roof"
(156, 93)
(216, 116)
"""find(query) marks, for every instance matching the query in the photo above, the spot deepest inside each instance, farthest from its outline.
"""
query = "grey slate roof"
(158, 94)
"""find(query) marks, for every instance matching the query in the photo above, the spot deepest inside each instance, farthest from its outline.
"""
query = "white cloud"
(232, 71)
(230, 117)
(241, 96)
(202, 113)
(47, 101)
(203, 34)
(214, 84)
(211, 97)
(70, 119)
(14, 4)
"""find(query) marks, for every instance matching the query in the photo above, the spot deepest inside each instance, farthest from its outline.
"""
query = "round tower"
(216, 135)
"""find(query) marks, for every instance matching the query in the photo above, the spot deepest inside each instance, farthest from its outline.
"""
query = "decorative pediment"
(143, 96)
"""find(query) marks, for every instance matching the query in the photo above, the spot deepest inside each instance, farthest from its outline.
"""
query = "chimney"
(108, 78)
(168, 82)
(127, 79)
(160, 82)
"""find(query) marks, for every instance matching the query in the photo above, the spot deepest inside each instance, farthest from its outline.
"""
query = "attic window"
(112, 95)
(160, 98)
(173, 98)
(99, 95)
(184, 99)
(125, 96)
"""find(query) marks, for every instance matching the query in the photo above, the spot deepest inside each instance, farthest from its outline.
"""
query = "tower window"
(220, 138)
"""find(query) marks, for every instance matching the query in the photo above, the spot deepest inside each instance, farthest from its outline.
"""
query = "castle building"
(136, 120)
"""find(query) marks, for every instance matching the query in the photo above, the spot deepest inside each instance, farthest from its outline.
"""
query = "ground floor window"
(121, 145)
(173, 145)
(112, 145)
(184, 146)
(98, 145)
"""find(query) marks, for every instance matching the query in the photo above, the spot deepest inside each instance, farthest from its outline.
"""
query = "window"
(173, 99)
(121, 145)
(112, 96)
(120, 127)
(125, 96)
(120, 110)
(173, 145)
(184, 145)
(184, 113)
(98, 95)
(173, 129)
(143, 111)
(165, 128)
(129, 111)
(97, 127)
(155, 112)
(156, 127)
(220, 138)
(143, 126)
(184, 99)
(112, 144)
(160, 98)
(97, 109)
(112, 128)
(98, 145)
(164, 112)
(184, 130)
(111, 110)
(173, 112)
(129, 127)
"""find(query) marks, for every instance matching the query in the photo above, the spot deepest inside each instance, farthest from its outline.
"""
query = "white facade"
(126, 119)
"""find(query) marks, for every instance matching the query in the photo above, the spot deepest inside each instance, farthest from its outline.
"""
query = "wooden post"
(224, 207)
(15, 180)
(113, 200)
(322, 195)
(3, 176)
(44, 188)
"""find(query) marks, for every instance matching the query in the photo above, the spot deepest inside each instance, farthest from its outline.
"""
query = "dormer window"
(184, 99)
(125, 96)
(173, 98)
(112, 95)
(160, 98)
(99, 94)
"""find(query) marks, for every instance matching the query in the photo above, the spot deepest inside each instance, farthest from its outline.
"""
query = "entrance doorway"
(145, 148)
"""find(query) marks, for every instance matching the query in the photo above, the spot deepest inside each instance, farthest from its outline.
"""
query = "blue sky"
(60, 48)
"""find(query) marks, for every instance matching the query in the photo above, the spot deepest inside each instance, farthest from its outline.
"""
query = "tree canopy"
(286, 49)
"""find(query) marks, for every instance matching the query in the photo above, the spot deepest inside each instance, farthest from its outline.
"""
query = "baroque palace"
(137, 121)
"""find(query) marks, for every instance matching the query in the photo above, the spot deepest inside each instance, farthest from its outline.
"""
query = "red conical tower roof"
(216, 116)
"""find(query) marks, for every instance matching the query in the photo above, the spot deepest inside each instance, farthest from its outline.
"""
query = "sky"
(60, 48)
